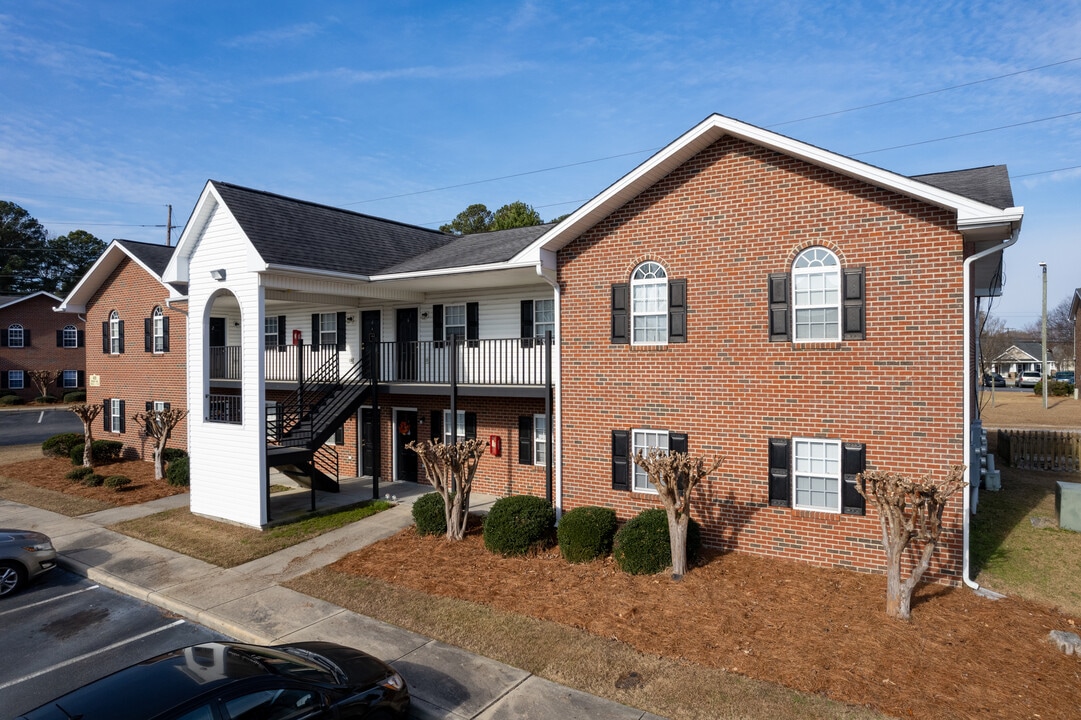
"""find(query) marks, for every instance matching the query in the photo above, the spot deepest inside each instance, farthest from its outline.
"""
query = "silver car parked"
(24, 554)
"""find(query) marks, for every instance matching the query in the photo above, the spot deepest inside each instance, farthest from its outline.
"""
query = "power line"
(968, 134)
(1046, 172)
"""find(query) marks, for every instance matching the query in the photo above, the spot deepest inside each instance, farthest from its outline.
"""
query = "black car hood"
(359, 667)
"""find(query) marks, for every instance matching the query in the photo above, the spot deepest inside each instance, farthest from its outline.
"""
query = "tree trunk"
(88, 445)
(677, 538)
(158, 452)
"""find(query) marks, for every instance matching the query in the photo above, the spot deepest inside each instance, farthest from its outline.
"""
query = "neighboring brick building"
(801, 314)
(34, 337)
(136, 348)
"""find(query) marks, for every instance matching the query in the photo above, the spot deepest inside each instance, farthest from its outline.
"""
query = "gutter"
(550, 275)
(968, 390)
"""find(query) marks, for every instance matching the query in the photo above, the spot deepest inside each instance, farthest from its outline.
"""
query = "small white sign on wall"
(95, 381)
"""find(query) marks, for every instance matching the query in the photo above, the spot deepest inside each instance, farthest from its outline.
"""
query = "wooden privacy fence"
(1040, 449)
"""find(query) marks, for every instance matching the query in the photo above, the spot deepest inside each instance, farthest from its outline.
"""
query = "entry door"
(217, 332)
(219, 363)
(407, 343)
(370, 335)
(405, 431)
(367, 442)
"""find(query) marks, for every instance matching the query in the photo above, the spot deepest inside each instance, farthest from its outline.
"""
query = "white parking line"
(46, 602)
(84, 656)
(41, 417)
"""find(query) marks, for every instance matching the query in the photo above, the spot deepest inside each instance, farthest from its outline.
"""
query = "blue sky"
(109, 111)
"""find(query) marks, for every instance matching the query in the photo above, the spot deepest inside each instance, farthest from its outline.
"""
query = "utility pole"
(1043, 337)
(169, 228)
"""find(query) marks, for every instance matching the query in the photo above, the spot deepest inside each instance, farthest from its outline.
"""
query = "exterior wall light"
(218, 275)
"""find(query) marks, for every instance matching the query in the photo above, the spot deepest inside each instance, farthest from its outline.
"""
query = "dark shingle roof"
(154, 256)
(989, 185)
(476, 249)
(293, 232)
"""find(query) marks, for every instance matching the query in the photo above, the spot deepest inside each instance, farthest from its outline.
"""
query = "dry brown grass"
(1026, 410)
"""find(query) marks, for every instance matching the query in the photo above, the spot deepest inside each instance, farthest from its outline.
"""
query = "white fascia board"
(97, 274)
(209, 200)
(33, 295)
(463, 270)
(696, 139)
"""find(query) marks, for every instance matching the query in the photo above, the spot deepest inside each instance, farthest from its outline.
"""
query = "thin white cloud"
(275, 36)
(351, 76)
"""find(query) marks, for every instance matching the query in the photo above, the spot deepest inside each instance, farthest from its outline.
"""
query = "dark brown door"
(405, 432)
(367, 442)
(369, 338)
(407, 343)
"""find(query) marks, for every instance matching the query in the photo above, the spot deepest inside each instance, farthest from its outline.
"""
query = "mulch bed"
(816, 630)
(48, 473)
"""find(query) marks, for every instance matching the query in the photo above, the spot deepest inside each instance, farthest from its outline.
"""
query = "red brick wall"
(136, 376)
(724, 221)
(41, 353)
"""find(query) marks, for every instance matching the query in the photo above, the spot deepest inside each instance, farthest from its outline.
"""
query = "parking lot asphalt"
(25, 426)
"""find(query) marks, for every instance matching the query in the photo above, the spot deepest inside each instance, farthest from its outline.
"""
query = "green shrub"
(75, 396)
(78, 473)
(93, 480)
(429, 515)
(61, 445)
(177, 472)
(586, 533)
(106, 451)
(642, 547)
(45, 399)
(117, 481)
(1056, 388)
(76, 453)
(519, 524)
(171, 454)
(11, 400)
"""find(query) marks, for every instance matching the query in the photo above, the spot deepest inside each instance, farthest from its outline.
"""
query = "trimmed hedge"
(642, 546)
(430, 515)
(61, 445)
(76, 396)
(77, 474)
(45, 399)
(76, 453)
(171, 454)
(177, 472)
(586, 533)
(11, 400)
(117, 481)
(93, 480)
(101, 451)
(519, 524)
(1056, 388)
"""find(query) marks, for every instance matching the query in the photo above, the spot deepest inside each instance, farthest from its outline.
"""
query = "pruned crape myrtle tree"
(43, 380)
(450, 469)
(675, 475)
(87, 413)
(159, 424)
(909, 510)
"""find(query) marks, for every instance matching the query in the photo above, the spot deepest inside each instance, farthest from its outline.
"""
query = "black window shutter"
(148, 334)
(4, 337)
(105, 337)
(107, 414)
(621, 450)
(340, 322)
(437, 323)
(149, 405)
(677, 442)
(527, 319)
(60, 338)
(165, 334)
(620, 316)
(60, 379)
(281, 333)
(315, 331)
(437, 425)
(470, 426)
(677, 311)
(525, 439)
(778, 308)
(3, 380)
(472, 322)
(166, 406)
(780, 478)
(26, 337)
(853, 462)
(121, 416)
(853, 309)
(121, 323)
(80, 338)
(80, 378)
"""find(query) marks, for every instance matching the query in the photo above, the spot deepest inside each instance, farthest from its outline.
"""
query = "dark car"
(993, 378)
(233, 681)
(24, 554)
(1065, 376)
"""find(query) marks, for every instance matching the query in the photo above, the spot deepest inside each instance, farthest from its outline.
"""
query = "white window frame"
(446, 425)
(649, 304)
(16, 337)
(270, 331)
(816, 296)
(71, 336)
(20, 383)
(544, 317)
(816, 473)
(157, 324)
(73, 375)
(540, 439)
(114, 333)
(643, 439)
(114, 415)
(330, 319)
(452, 314)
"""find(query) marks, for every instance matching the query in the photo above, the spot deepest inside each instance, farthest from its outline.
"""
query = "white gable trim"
(99, 272)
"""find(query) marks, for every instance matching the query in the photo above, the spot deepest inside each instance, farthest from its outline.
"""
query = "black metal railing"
(325, 460)
(296, 363)
(224, 409)
(509, 361)
(225, 362)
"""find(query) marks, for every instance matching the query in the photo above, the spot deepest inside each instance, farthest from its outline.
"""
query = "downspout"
(966, 495)
(546, 269)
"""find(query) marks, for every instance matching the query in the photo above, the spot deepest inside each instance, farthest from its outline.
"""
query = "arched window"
(816, 295)
(649, 305)
(158, 322)
(71, 336)
(15, 335)
(115, 337)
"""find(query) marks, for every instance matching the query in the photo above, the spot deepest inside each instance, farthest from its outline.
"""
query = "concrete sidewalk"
(247, 603)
